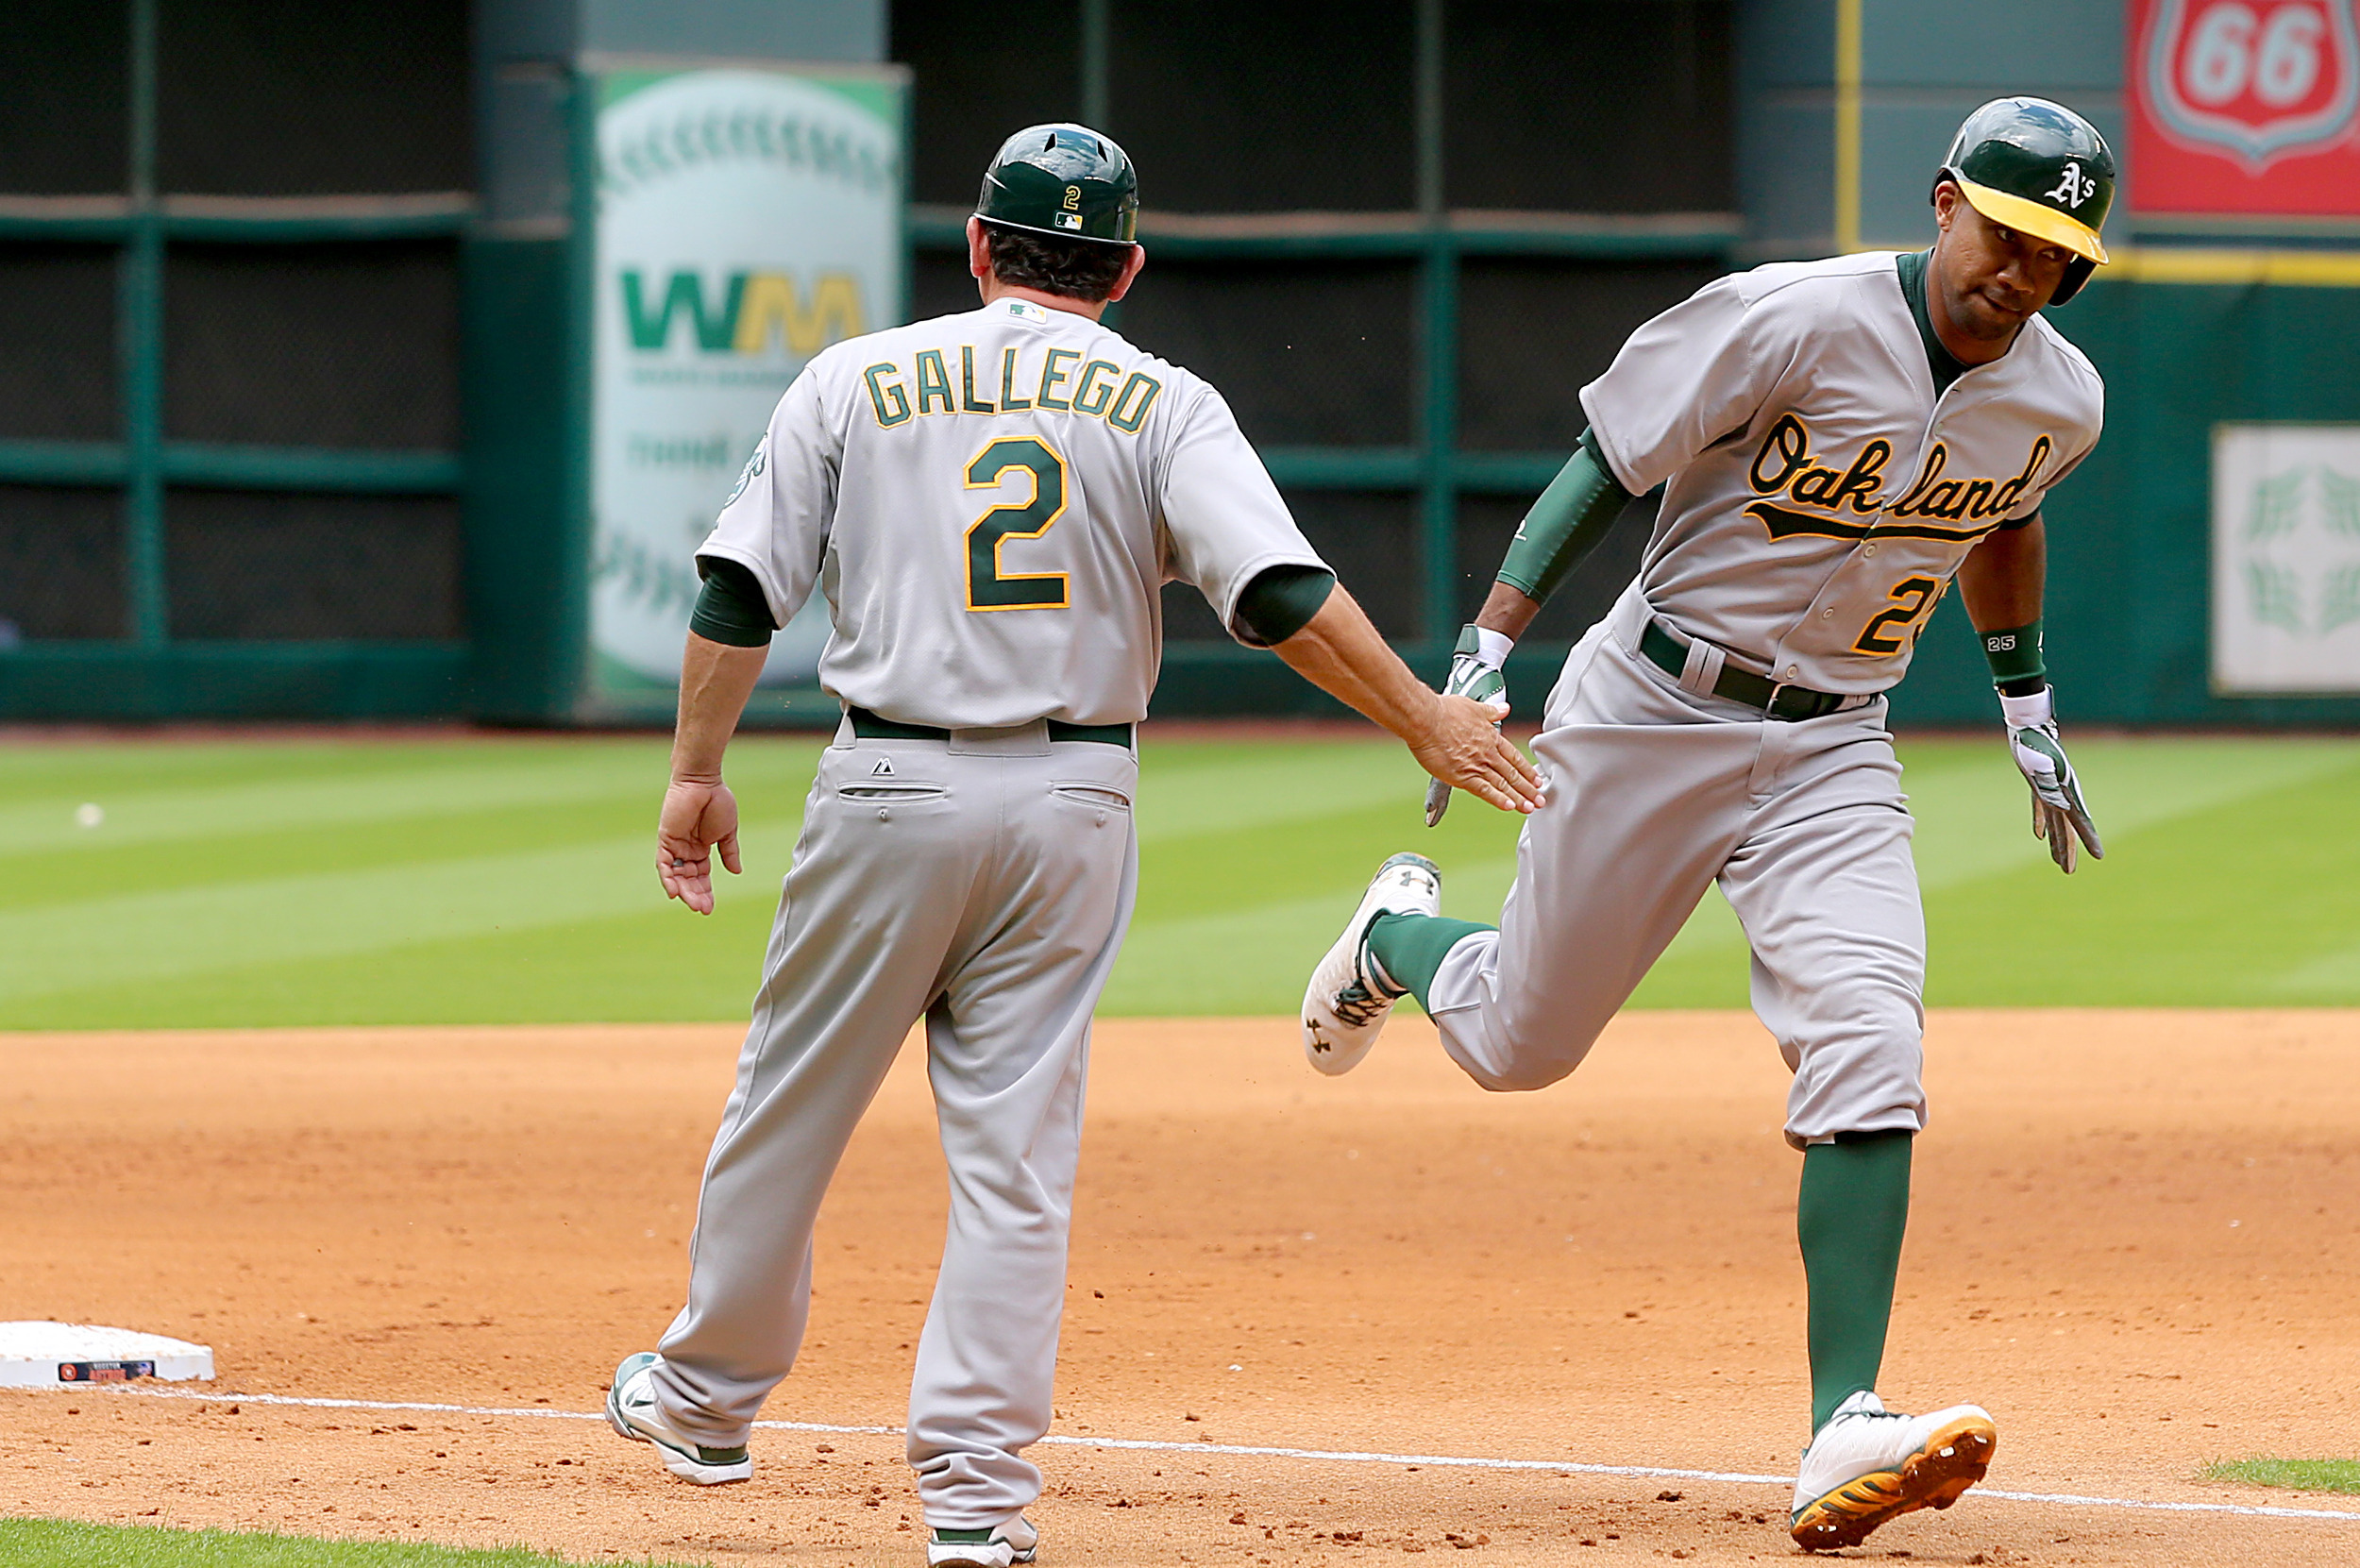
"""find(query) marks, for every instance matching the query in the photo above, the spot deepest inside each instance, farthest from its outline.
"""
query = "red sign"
(2244, 106)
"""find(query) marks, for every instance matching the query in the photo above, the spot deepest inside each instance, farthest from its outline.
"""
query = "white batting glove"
(2059, 815)
(1477, 672)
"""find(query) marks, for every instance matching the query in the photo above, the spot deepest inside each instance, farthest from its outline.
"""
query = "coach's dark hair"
(1078, 269)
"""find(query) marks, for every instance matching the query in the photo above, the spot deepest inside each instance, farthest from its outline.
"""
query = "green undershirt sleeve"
(730, 607)
(1281, 601)
(1565, 524)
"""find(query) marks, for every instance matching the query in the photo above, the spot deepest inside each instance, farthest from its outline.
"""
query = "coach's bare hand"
(1462, 746)
(697, 819)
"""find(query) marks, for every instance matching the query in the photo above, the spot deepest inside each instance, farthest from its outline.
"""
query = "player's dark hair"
(1077, 269)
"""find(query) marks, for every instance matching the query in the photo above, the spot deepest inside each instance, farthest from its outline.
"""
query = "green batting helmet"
(2038, 168)
(1066, 180)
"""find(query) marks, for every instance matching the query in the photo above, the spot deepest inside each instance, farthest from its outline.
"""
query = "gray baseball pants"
(1654, 792)
(983, 884)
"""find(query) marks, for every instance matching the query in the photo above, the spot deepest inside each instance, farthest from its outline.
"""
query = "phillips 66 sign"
(2244, 106)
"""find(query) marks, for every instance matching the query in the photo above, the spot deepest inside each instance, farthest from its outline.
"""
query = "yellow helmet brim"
(2031, 217)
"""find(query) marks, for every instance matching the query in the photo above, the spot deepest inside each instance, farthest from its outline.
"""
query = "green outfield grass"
(496, 880)
(2298, 1474)
(61, 1543)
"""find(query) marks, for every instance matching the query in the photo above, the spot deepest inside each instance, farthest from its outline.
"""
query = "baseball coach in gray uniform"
(991, 502)
(1837, 441)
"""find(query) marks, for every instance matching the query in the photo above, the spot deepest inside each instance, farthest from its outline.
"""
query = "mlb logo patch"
(1068, 220)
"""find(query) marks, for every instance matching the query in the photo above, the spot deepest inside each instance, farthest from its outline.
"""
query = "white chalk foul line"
(1337, 1456)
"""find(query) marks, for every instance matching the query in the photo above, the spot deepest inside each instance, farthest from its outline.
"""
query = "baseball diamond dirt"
(2134, 1242)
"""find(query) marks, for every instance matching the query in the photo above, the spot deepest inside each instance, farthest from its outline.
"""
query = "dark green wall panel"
(526, 558)
(116, 682)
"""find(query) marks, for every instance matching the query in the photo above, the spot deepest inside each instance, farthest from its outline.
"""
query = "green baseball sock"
(1853, 1207)
(1409, 948)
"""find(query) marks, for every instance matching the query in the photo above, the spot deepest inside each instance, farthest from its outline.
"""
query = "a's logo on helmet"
(2256, 79)
(1072, 198)
(2074, 188)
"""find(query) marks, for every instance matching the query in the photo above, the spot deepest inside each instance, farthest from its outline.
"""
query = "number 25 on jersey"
(1889, 630)
(987, 586)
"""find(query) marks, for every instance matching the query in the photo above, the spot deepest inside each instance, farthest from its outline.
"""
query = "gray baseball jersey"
(1820, 495)
(990, 502)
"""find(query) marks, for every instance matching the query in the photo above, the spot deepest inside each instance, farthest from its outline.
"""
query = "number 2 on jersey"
(987, 586)
(1912, 597)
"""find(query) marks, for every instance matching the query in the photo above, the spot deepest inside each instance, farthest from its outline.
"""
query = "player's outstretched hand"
(1471, 676)
(697, 819)
(2059, 815)
(1463, 748)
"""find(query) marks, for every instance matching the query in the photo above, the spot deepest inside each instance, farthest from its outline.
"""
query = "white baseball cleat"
(1012, 1542)
(1345, 1007)
(1869, 1464)
(632, 1411)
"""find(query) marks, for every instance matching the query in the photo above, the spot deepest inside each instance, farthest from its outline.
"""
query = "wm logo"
(754, 310)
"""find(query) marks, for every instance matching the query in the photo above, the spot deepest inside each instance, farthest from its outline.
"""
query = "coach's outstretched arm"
(1454, 738)
(699, 814)
(1571, 516)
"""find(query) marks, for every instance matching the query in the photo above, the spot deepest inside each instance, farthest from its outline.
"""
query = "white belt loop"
(1702, 672)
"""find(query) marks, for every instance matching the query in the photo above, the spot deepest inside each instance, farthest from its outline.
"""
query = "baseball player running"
(1837, 441)
(991, 502)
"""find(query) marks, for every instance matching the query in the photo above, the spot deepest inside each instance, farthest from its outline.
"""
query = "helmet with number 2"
(1066, 180)
(2038, 168)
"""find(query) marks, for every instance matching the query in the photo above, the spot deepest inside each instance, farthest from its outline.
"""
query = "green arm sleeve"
(1565, 524)
(2015, 654)
(730, 607)
(1281, 601)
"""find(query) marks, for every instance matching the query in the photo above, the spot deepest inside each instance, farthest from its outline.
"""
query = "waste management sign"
(746, 217)
(2285, 559)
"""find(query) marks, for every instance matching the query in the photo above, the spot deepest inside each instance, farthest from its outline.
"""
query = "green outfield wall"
(298, 424)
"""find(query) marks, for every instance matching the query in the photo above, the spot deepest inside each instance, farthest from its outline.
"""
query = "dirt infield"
(2134, 1240)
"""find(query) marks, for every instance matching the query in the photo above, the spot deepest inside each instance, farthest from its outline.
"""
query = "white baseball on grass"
(89, 813)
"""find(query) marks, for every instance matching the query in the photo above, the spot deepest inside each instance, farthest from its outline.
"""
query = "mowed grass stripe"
(2220, 907)
(133, 937)
(69, 1543)
(38, 770)
(1973, 825)
(1974, 813)
(2299, 1474)
(144, 816)
(2223, 884)
(65, 879)
(661, 965)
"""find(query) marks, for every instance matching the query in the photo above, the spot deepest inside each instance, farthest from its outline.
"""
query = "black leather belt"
(868, 726)
(1759, 692)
